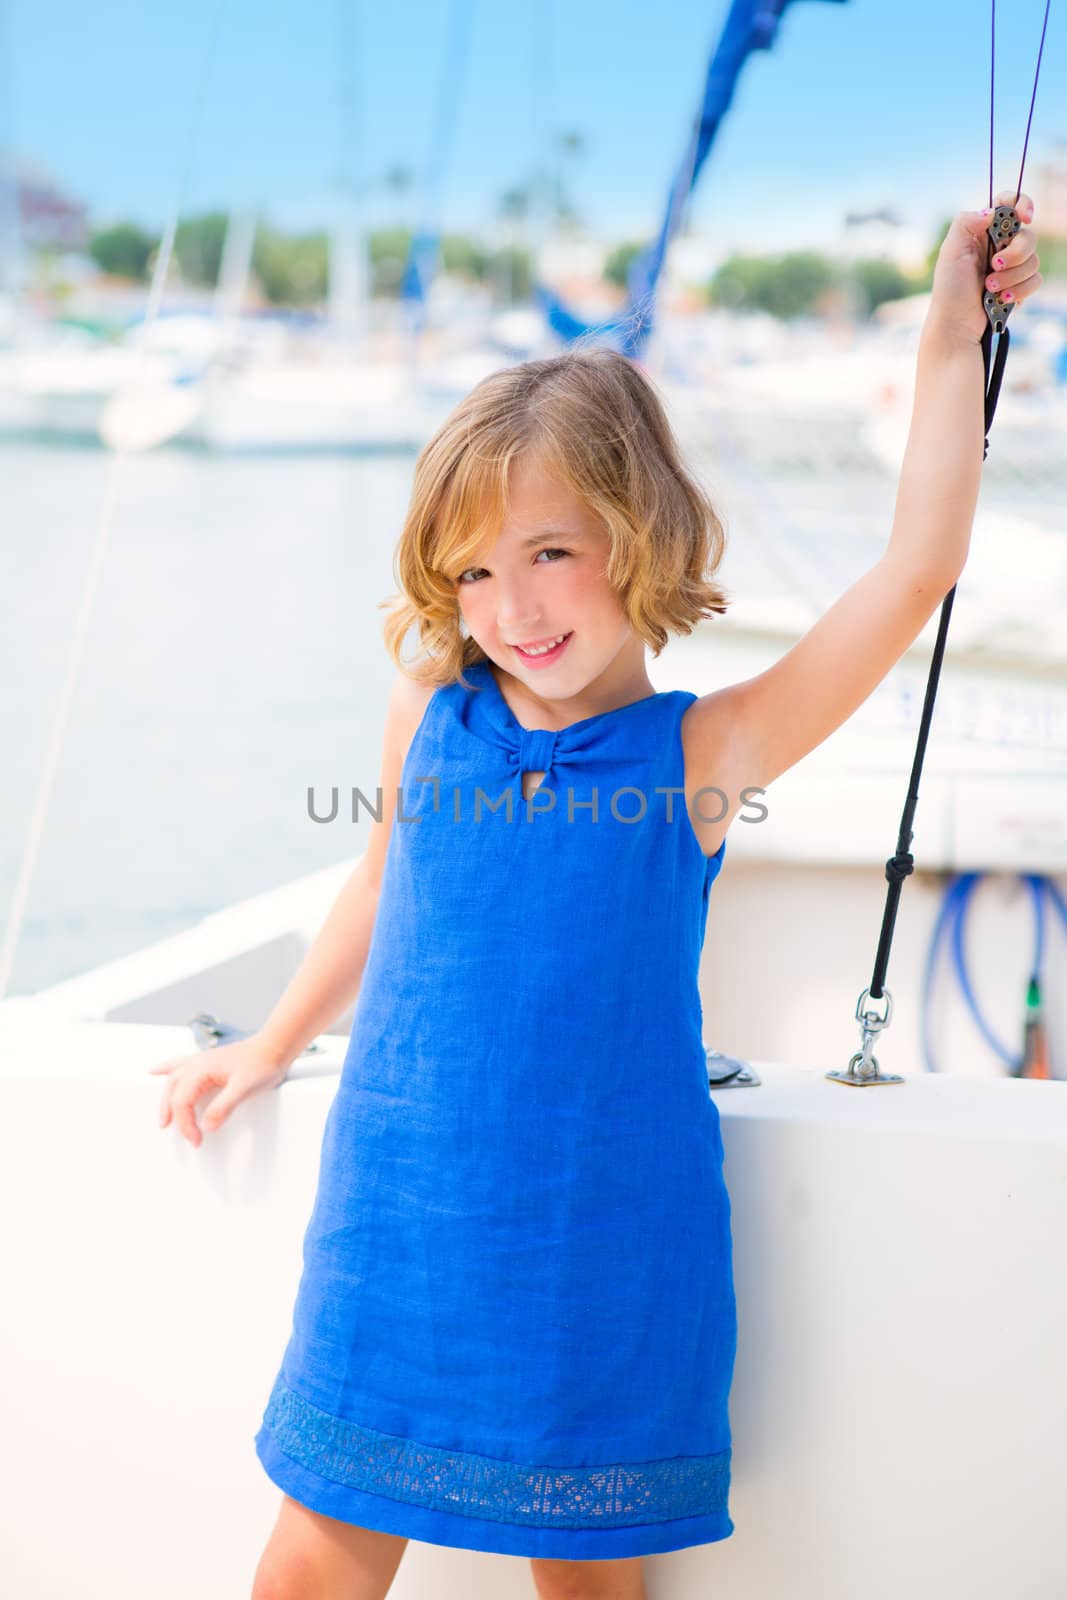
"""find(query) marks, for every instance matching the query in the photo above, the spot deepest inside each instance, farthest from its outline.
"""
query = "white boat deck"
(900, 1396)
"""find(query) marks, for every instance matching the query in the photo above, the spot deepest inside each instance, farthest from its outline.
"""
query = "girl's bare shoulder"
(408, 700)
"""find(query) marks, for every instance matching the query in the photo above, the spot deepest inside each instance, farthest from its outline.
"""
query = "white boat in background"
(328, 406)
(326, 402)
(314, 388)
(61, 388)
(332, 385)
(256, 385)
(66, 384)
(807, 396)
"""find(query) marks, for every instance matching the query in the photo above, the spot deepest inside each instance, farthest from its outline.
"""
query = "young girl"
(515, 1326)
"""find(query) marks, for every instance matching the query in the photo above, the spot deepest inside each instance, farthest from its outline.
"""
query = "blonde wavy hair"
(597, 424)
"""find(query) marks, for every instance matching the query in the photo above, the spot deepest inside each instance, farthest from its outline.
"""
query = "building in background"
(48, 217)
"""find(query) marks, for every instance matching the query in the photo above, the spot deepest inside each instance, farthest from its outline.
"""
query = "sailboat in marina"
(350, 385)
(56, 383)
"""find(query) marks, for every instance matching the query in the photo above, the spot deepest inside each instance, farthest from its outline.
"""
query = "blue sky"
(867, 104)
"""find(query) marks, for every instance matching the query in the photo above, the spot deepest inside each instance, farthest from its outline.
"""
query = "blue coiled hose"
(953, 912)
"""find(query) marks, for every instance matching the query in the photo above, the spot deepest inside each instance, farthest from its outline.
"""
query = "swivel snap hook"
(863, 1067)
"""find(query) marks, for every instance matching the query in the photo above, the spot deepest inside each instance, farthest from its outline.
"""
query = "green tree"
(389, 249)
(878, 280)
(619, 261)
(198, 244)
(463, 255)
(512, 267)
(932, 254)
(292, 269)
(784, 285)
(123, 250)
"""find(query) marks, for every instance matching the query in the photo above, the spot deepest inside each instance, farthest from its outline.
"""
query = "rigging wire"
(1033, 98)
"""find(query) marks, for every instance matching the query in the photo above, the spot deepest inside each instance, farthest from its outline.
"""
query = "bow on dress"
(611, 740)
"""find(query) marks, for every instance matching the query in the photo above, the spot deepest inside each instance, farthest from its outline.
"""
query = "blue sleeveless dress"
(515, 1326)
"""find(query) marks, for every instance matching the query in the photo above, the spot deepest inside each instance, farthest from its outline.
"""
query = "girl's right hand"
(236, 1070)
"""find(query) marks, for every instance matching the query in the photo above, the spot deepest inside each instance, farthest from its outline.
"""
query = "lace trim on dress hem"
(484, 1486)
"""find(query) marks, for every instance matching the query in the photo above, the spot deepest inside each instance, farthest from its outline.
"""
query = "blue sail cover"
(750, 25)
(421, 266)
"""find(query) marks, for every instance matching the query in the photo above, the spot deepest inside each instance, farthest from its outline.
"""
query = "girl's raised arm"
(751, 732)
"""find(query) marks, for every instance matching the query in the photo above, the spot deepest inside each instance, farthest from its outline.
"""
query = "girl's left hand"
(961, 275)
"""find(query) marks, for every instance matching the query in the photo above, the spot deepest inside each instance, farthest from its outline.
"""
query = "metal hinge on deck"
(210, 1033)
(727, 1072)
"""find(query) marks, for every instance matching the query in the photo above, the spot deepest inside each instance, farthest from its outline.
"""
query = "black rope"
(992, 383)
(901, 865)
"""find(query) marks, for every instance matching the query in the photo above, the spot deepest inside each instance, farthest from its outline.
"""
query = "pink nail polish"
(999, 262)
(1007, 295)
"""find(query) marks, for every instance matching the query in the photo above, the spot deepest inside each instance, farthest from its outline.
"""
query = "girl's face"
(545, 575)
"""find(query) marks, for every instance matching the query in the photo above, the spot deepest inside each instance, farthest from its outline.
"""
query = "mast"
(424, 255)
(348, 287)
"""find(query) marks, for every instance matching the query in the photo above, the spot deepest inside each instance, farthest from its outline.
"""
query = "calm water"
(234, 658)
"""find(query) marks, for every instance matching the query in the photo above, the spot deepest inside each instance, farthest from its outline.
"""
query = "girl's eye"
(466, 576)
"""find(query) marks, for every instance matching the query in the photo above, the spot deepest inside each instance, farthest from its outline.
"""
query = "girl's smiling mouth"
(543, 655)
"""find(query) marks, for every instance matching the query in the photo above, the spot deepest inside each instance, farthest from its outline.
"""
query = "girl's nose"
(513, 617)
(516, 619)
